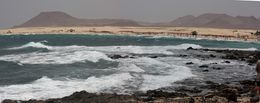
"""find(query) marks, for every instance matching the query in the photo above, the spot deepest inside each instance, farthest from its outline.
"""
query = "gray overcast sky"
(15, 12)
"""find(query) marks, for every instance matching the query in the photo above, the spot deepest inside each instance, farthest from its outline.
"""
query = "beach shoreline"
(177, 32)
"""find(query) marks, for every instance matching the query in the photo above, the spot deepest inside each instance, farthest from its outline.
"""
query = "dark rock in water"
(205, 70)
(233, 57)
(217, 68)
(203, 66)
(213, 56)
(250, 64)
(189, 48)
(153, 56)
(183, 55)
(189, 63)
(117, 56)
(210, 83)
(227, 62)
(213, 63)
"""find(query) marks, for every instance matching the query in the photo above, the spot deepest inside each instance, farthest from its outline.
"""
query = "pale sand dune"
(154, 31)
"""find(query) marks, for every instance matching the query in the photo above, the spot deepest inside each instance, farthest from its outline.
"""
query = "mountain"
(56, 18)
(217, 21)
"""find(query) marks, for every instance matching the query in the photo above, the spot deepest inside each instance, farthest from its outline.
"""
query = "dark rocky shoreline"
(242, 92)
(223, 93)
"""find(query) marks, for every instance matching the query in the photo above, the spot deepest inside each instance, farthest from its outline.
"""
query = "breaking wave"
(56, 57)
(34, 45)
(132, 74)
(45, 88)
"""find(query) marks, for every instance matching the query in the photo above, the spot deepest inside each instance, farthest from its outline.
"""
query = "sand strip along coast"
(185, 32)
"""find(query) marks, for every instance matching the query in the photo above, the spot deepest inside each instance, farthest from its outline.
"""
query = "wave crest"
(56, 57)
(34, 45)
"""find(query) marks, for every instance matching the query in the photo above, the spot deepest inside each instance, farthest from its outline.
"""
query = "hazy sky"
(15, 12)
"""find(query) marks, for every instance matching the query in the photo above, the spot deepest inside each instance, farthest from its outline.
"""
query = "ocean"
(56, 65)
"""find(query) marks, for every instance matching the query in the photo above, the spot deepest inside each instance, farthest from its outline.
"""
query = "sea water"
(56, 65)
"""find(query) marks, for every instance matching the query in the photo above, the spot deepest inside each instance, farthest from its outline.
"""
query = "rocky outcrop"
(243, 55)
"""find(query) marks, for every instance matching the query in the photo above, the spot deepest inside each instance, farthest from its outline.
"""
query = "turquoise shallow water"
(45, 66)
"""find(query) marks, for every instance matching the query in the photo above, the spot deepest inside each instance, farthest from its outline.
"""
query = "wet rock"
(153, 56)
(183, 55)
(227, 62)
(213, 56)
(189, 63)
(188, 90)
(213, 63)
(205, 70)
(159, 93)
(9, 101)
(250, 64)
(217, 68)
(229, 93)
(233, 57)
(203, 66)
(117, 56)
(189, 48)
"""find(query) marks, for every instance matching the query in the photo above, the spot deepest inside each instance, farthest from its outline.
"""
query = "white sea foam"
(157, 81)
(34, 45)
(159, 74)
(132, 49)
(140, 73)
(72, 54)
(185, 46)
(124, 49)
(56, 57)
(129, 67)
(45, 87)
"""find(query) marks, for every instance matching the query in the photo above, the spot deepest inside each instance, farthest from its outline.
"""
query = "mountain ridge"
(217, 21)
(211, 20)
(57, 18)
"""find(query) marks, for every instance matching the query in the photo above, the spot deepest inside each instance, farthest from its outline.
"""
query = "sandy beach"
(206, 33)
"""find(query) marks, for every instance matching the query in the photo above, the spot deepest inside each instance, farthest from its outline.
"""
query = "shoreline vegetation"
(180, 32)
(229, 92)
